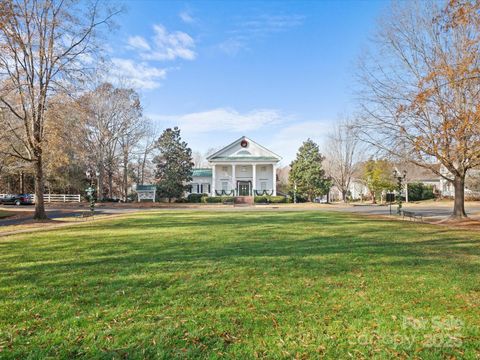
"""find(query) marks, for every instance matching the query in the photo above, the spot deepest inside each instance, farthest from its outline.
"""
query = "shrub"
(419, 191)
(300, 198)
(195, 198)
(216, 199)
(267, 199)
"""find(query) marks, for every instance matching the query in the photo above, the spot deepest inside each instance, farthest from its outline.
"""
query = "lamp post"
(90, 191)
(400, 177)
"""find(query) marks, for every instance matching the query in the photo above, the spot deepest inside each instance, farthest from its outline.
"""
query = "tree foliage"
(174, 164)
(377, 175)
(307, 173)
(43, 47)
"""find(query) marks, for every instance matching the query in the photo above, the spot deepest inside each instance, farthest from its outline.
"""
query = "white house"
(242, 168)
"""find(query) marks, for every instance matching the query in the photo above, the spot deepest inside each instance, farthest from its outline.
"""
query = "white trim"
(209, 158)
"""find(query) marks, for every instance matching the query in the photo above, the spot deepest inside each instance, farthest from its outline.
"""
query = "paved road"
(435, 211)
(24, 214)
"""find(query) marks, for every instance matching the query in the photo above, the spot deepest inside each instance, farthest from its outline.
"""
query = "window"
(194, 189)
(205, 188)
(224, 186)
(263, 185)
(263, 169)
(225, 170)
(244, 169)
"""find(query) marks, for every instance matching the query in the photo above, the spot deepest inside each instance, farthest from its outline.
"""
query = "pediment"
(244, 149)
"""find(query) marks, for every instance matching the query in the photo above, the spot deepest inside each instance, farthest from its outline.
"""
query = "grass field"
(189, 284)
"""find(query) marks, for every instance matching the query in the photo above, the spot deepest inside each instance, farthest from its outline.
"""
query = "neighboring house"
(242, 168)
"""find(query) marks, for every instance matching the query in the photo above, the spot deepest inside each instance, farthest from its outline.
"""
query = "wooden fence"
(49, 198)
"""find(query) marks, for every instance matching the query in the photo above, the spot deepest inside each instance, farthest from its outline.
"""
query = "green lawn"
(192, 284)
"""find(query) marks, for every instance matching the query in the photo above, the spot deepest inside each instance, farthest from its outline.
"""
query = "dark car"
(19, 199)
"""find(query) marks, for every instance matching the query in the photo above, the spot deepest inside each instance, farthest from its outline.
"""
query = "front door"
(243, 188)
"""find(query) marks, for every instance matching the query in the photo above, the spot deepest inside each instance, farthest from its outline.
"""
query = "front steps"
(243, 201)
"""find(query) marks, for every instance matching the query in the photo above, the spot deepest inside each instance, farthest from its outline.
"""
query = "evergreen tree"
(173, 165)
(307, 173)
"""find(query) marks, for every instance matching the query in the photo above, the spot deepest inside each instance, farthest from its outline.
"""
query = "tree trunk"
(40, 213)
(344, 196)
(100, 178)
(374, 198)
(110, 184)
(459, 201)
(125, 175)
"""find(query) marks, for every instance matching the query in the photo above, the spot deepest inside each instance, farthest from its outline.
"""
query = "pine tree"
(307, 172)
(173, 165)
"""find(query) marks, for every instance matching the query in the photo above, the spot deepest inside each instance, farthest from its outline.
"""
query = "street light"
(400, 177)
(90, 191)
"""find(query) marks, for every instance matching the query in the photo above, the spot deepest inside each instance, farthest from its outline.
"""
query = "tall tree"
(174, 164)
(420, 88)
(113, 121)
(43, 46)
(342, 155)
(306, 171)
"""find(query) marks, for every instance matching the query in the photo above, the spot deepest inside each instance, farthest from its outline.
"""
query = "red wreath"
(244, 143)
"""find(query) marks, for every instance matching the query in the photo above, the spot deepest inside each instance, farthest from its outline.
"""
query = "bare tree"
(112, 124)
(420, 89)
(133, 130)
(341, 155)
(44, 44)
(145, 154)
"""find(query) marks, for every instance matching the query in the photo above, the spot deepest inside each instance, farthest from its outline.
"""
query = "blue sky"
(278, 72)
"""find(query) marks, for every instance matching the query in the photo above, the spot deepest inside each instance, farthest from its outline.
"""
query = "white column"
(212, 187)
(274, 180)
(234, 180)
(254, 176)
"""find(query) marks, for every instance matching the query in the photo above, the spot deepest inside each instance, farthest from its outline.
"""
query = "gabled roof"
(202, 172)
(253, 152)
(146, 187)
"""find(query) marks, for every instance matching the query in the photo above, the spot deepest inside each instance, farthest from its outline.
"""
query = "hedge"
(216, 199)
(195, 198)
(418, 191)
(267, 199)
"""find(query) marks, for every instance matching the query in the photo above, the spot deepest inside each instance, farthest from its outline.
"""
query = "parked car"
(19, 199)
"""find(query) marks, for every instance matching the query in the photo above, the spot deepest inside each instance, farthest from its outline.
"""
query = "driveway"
(432, 211)
(24, 214)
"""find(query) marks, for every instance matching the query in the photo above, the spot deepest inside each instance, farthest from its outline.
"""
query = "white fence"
(49, 198)
(61, 198)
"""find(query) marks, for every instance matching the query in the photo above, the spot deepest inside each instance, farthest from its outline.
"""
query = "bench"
(87, 214)
(412, 216)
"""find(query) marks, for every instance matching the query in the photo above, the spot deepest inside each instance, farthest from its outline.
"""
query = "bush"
(195, 198)
(419, 191)
(267, 199)
(216, 199)
(300, 198)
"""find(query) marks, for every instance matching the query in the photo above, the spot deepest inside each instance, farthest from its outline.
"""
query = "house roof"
(252, 152)
(243, 158)
(146, 187)
(202, 172)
